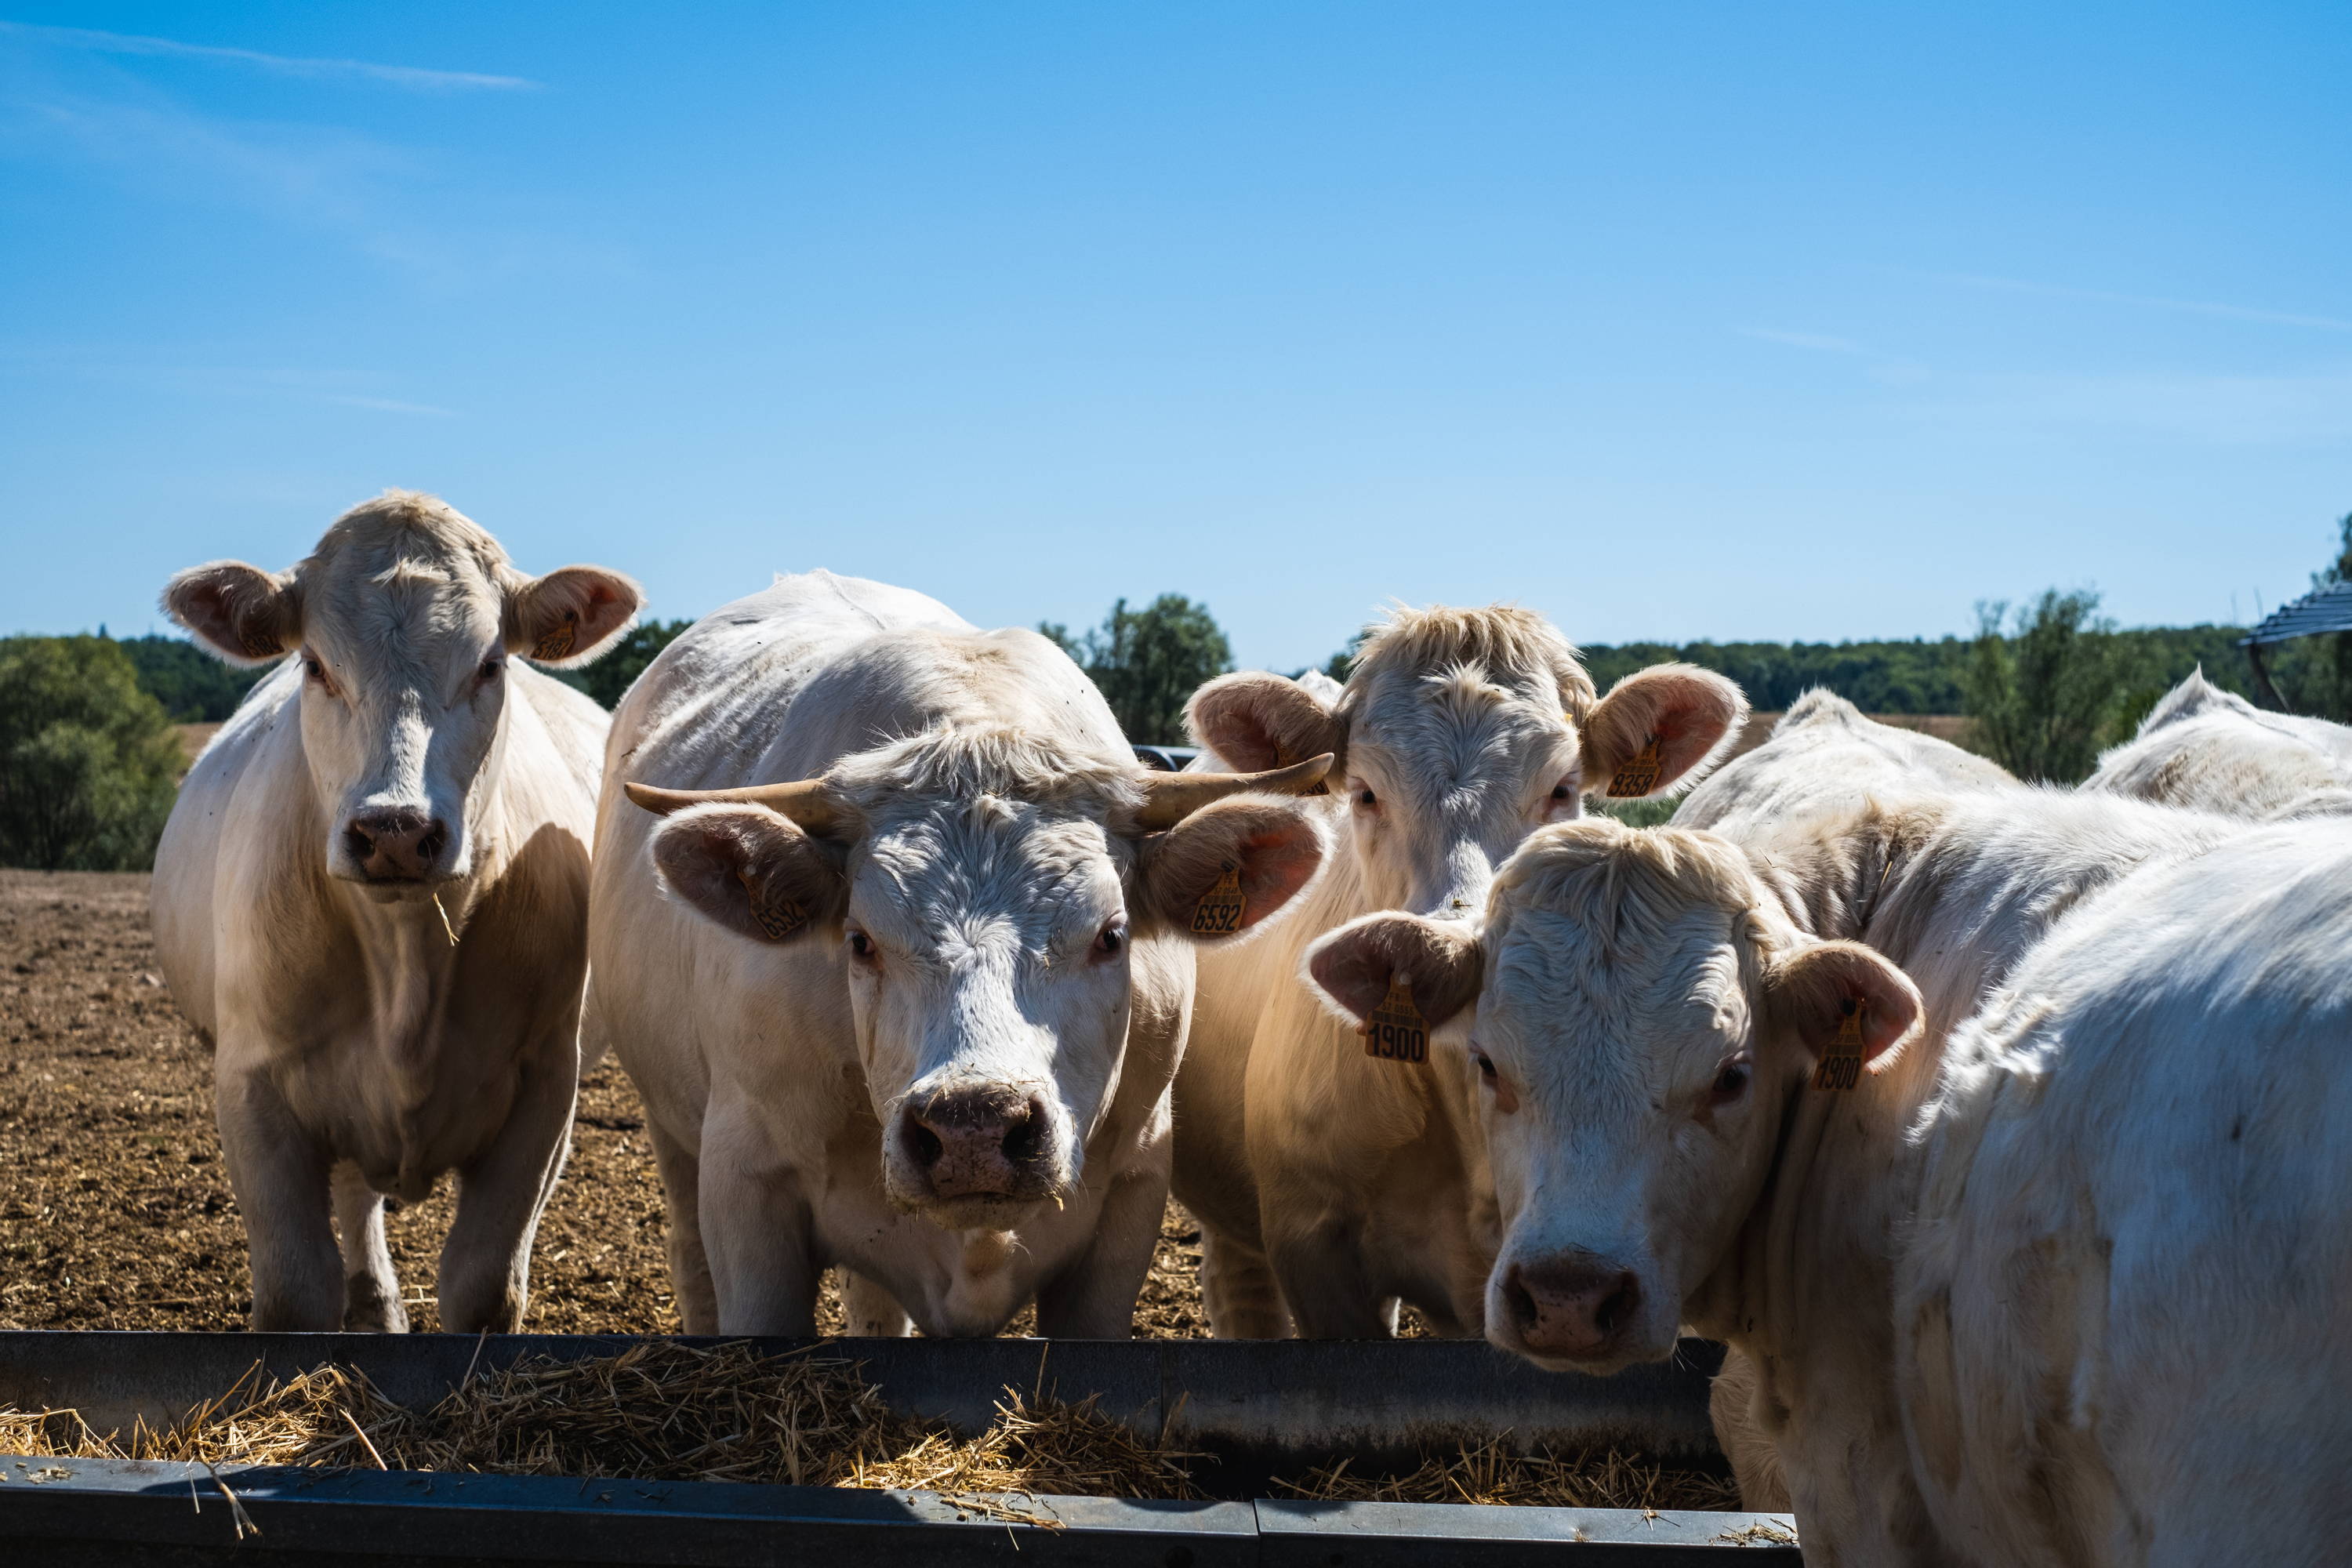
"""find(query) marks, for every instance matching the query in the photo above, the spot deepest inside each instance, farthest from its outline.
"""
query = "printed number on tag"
(777, 917)
(558, 642)
(1395, 1032)
(1221, 908)
(1841, 1065)
(1639, 774)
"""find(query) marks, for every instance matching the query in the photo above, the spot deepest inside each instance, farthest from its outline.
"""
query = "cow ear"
(1440, 963)
(1659, 730)
(1230, 865)
(1255, 721)
(752, 870)
(567, 617)
(1816, 990)
(243, 614)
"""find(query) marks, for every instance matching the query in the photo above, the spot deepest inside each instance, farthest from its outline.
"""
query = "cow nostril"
(428, 849)
(923, 1145)
(1520, 1300)
(356, 840)
(1618, 1307)
(1025, 1138)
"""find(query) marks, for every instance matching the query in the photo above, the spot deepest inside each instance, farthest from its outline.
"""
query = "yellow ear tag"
(777, 918)
(1221, 908)
(1841, 1065)
(558, 642)
(1638, 776)
(1394, 1031)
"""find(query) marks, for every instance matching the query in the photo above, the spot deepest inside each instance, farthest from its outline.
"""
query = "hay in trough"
(666, 1411)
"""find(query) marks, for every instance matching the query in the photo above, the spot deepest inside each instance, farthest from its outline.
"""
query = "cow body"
(1333, 1184)
(2213, 751)
(372, 896)
(951, 1076)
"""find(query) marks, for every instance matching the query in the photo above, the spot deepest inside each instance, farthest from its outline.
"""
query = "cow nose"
(1577, 1306)
(396, 845)
(977, 1142)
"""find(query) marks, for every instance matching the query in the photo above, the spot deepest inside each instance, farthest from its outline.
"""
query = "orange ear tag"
(558, 642)
(1394, 1031)
(1841, 1065)
(1221, 908)
(778, 918)
(1638, 776)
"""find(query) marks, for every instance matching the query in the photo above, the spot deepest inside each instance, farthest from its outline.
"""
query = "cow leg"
(689, 1267)
(872, 1310)
(1094, 1297)
(1319, 1268)
(279, 1177)
(1238, 1289)
(485, 1282)
(372, 1300)
(755, 1231)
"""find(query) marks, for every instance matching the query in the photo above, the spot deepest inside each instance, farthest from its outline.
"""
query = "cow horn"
(1170, 798)
(805, 800)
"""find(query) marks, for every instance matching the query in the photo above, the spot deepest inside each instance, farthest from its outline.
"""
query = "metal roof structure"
(2321, 610)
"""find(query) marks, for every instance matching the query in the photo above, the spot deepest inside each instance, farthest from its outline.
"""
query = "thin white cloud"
(1816, 342)
(2146, 301)
(411, 78)
(2223, 410)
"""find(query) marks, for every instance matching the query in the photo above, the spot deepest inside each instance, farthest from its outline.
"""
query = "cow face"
(1639, 1024)
(989, 898)
(1462, 731)
(404, 618)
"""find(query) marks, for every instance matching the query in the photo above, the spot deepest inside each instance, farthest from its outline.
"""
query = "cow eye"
(1563, 791)
(1730, 1083)
(1113, 938)
(1366, 799)
(861, 947)
(492, 669)
(1486, 1065)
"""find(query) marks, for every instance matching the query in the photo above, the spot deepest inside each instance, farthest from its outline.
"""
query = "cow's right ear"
(1820, 991)
(1255, 720)
(243, 614)
(750, 870)
(1440, 963)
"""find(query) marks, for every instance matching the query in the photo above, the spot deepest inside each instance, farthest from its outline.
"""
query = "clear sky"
(1726, 320)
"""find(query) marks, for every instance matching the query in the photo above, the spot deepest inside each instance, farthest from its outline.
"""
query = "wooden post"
(2265, 692)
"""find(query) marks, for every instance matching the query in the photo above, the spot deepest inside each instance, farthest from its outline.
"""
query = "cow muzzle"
(979, 1147)
(391, 846)
(1574, 1307)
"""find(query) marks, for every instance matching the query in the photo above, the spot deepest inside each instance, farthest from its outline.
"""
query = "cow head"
(1461, 731)
(404, 618)
(991, 895)
(1639, 1021)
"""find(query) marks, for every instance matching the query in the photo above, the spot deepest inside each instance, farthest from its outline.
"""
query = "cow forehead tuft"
(977, 763)
(1508, 645)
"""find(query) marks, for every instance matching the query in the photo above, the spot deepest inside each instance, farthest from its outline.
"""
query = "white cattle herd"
(2003, 1132)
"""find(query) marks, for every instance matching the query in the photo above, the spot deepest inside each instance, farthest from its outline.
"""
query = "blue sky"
(1673, 322)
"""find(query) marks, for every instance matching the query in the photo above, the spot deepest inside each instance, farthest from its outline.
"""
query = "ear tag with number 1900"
(1841, 1065)
(1394, 1030)
(1221, 908)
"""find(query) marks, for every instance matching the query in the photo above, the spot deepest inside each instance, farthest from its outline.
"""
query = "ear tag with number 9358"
(1639, 774)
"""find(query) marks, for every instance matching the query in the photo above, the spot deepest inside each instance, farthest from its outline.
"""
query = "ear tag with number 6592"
(776, 918)
(1221, 908)
(1394, 1031)
(1841, 1065)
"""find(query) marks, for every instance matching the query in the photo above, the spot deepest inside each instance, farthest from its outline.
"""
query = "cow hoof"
(368, 1308)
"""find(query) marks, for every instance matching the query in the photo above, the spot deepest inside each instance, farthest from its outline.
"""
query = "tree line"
(88, 760)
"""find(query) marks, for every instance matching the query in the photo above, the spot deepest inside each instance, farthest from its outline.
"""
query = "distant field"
(193, 737)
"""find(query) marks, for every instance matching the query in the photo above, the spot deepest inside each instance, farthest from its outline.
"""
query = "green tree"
(2044, 696)
(2313, 675)
(193, 687)
(1147, 662)
(88, 760)
(609, 679)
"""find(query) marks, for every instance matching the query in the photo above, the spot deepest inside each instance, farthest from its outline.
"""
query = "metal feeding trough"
(1257, 1407)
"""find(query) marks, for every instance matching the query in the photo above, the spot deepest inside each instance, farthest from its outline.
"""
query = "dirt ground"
(117, 1212)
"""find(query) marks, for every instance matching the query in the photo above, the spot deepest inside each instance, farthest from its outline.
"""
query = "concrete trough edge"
(68, 1513)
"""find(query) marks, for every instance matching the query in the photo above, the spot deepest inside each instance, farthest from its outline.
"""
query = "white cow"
(1332, 1183)
(1658, 1154)
(1824, 752)
(372, 896)
(905, 974)
(2203, 747)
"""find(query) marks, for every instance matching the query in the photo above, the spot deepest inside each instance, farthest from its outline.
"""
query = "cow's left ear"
(1356, 967)
(568, 616)
(1817, 993)
(1229, 865)
(1659, 730)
